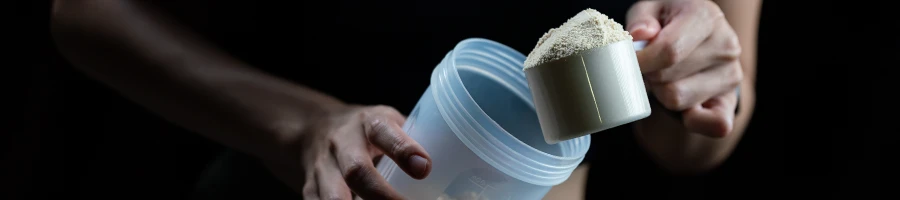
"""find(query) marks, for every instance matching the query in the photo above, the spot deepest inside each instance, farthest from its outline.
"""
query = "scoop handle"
(638, 45)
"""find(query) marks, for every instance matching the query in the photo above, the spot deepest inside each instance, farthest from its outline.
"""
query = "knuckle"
(377, 126)
(732, 49)
(310, 190)
(399, 148)
(713, 9)
(356, 172)
(373, 126)
(672, 54)
(364, 115)
(721, 129)
(670, 57)
(673, 96)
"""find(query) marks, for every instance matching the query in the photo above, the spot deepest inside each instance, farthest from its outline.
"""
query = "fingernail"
(636, 27)
(419, 165)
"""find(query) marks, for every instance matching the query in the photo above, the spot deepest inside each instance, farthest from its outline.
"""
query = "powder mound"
(586, 30)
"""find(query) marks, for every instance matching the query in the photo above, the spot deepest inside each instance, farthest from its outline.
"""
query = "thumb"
(643, 20)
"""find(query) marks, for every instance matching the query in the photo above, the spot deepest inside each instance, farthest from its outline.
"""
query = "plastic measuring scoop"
(588, 92)
(591, 91)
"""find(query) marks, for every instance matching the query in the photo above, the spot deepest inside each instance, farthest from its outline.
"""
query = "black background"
(813, 132)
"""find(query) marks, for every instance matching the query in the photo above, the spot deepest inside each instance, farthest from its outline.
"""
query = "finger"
(684, 28)
(382, 111)
(688, 92)
(330, 181)
(396, 144)
(355, 163)
(697, 61)
(643, 20)
(359, 172)
(389, 112)
(721, 47)
(310, 189)
(713, 118)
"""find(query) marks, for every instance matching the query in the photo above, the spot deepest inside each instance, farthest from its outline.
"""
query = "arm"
(147, 57)
(315, 144)
(683, 152)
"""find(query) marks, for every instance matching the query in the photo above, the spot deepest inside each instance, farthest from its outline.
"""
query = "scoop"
(588, 92)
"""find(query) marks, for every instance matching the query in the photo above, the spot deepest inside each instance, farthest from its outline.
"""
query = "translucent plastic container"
(478, 122)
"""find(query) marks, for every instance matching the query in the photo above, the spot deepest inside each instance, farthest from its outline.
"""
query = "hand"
(335, 155)
(691, 62)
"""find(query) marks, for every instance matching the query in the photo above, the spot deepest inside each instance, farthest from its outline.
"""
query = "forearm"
(148, 58)
(680, 151)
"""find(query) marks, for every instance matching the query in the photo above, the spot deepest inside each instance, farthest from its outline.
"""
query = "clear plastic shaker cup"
(478, 122)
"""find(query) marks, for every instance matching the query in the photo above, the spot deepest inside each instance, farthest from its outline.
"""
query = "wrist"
(303, 110)
(270, 115)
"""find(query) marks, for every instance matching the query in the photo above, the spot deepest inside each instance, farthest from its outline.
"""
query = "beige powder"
(586, 30)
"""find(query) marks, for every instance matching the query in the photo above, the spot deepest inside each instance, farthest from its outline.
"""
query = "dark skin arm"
(169, 70)
(316, 144)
